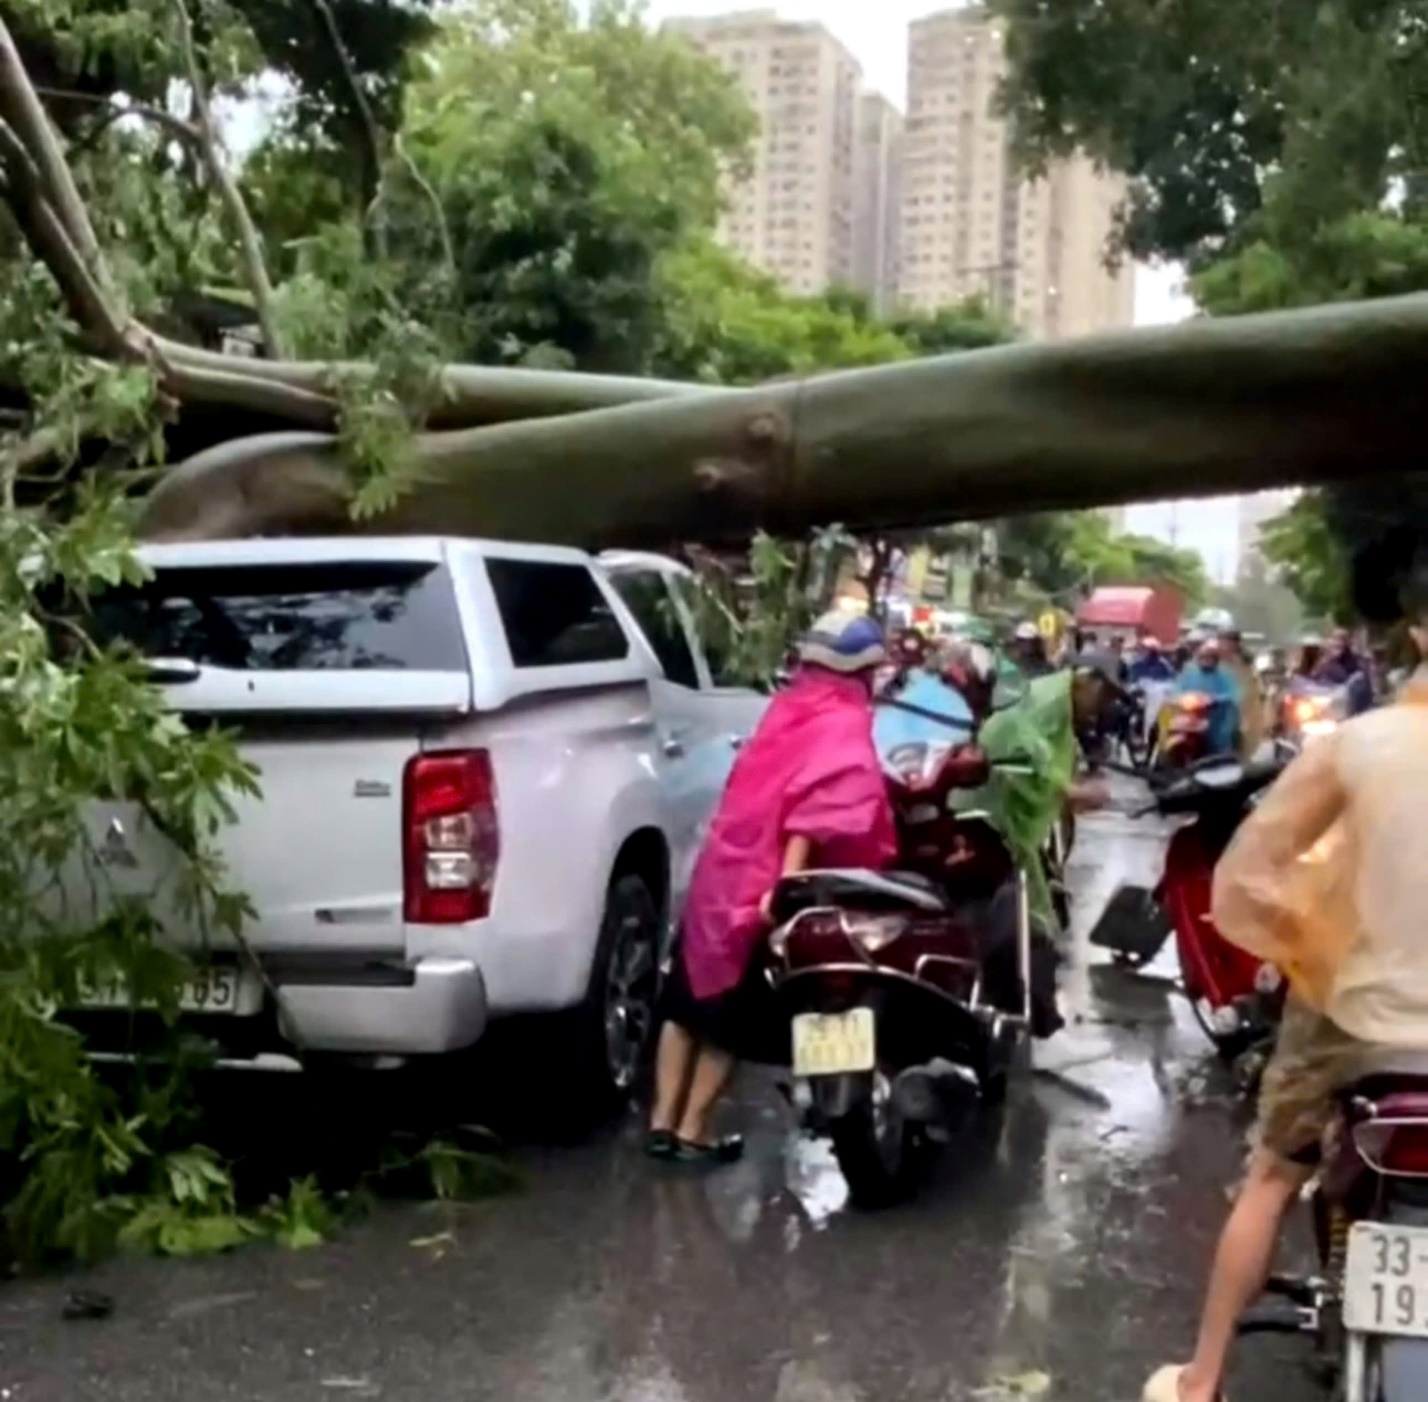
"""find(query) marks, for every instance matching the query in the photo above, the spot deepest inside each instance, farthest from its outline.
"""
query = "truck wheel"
(616, 1022)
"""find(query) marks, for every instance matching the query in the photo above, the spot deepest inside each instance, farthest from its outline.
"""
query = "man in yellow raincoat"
(1328, 880)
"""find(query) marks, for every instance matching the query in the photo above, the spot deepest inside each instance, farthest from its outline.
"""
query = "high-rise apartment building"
(793, 214)
(971, 224)
(877, 171)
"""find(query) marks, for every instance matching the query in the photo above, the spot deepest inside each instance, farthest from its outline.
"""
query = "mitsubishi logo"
(114, 850)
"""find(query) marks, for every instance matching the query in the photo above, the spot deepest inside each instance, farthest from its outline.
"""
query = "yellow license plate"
(834, 1044)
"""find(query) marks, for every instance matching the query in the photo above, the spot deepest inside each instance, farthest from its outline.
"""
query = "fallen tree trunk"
(1244, 404)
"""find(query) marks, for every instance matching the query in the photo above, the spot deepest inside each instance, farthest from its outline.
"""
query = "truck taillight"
(451, 837)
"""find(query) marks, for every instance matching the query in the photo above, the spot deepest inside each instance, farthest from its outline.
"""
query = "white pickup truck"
(486, 770)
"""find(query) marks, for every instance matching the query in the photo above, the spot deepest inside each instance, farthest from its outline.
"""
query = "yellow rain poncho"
(1328, 879)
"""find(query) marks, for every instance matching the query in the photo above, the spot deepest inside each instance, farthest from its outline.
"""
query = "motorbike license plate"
(204, 991)
(834, 1044)
(1386, 1280)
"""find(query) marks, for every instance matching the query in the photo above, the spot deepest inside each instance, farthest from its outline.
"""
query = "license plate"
(204, 991)
(1386, 1280)
(833, 1044)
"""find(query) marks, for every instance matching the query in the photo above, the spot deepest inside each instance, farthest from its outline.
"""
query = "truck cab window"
(647, 597)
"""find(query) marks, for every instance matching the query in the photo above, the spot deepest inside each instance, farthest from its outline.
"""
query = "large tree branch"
(1221, 405)
(22, 109)
(99, 322)
(250, 247)
(472, 395)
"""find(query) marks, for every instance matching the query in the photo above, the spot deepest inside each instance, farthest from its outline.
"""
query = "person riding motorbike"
(1252, 719)
(1151, 664)
(1327, 881)
(1307, 658)
(1341, 666)
(1206, 676)
(1028, 651)
(806, 790)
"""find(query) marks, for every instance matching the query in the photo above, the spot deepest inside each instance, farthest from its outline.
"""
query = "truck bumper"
(442, 1009)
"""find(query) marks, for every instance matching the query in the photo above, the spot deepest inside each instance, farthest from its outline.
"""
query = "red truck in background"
(1133, 611)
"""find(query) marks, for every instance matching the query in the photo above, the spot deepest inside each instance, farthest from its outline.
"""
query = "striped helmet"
(844, 642)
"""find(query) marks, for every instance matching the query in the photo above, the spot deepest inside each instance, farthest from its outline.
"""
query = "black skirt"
(745, 1021)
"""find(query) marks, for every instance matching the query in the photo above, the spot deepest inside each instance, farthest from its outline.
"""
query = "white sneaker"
(1165, 1385)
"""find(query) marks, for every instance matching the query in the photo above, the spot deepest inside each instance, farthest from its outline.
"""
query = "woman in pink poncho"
(807, 791)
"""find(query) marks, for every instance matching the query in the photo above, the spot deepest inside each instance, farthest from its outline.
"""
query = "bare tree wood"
(250, 246)
(22, 109)
(1239, 404)
(99, 322)
(472, 395)
(113, 111)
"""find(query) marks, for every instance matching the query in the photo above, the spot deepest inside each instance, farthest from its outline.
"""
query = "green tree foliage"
(1310, 557)
(577, 162)
(727, 323)
(1281, 158)
(85, 1164)
(1308, 114)
(553, 158)
(1064, 555)
(970, 325)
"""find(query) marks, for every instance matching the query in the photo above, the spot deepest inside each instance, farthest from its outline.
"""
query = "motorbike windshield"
(894, 727)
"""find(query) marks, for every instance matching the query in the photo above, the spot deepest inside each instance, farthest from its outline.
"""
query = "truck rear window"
(554, 614)
(378, 616)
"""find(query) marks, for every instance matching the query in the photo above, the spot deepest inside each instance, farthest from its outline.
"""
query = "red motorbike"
(1183, 729)
(1367, 1308)
(1236, 998)
(909, 993)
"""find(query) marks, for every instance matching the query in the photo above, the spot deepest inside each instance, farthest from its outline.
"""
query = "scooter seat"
(855, 887)
(1395, 1079)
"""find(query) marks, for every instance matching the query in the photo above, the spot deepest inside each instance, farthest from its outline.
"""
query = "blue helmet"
(844, 642)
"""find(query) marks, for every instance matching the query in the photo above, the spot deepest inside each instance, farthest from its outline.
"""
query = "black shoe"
(721, 1151)
(661, 1144)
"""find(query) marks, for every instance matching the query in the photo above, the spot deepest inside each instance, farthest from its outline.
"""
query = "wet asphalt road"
(1061, 1252)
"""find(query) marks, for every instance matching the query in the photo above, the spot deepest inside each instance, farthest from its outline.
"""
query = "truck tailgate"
(330, 675)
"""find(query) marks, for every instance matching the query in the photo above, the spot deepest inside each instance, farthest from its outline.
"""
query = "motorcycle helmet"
(842, 642)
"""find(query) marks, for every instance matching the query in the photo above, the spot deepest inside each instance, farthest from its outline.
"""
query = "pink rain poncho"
(810, 770)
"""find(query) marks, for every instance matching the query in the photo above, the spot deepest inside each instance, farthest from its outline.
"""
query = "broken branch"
(20, 106)
(250, 248)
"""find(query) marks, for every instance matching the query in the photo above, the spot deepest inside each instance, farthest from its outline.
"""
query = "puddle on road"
(814, 1178)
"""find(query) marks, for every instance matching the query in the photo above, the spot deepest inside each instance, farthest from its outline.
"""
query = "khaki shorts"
(1313, 1060)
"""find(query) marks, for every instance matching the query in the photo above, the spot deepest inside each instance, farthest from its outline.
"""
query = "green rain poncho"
(1037, 734)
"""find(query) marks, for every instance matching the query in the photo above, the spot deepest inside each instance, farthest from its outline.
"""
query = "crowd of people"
(809, 790)
(1248, 693)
